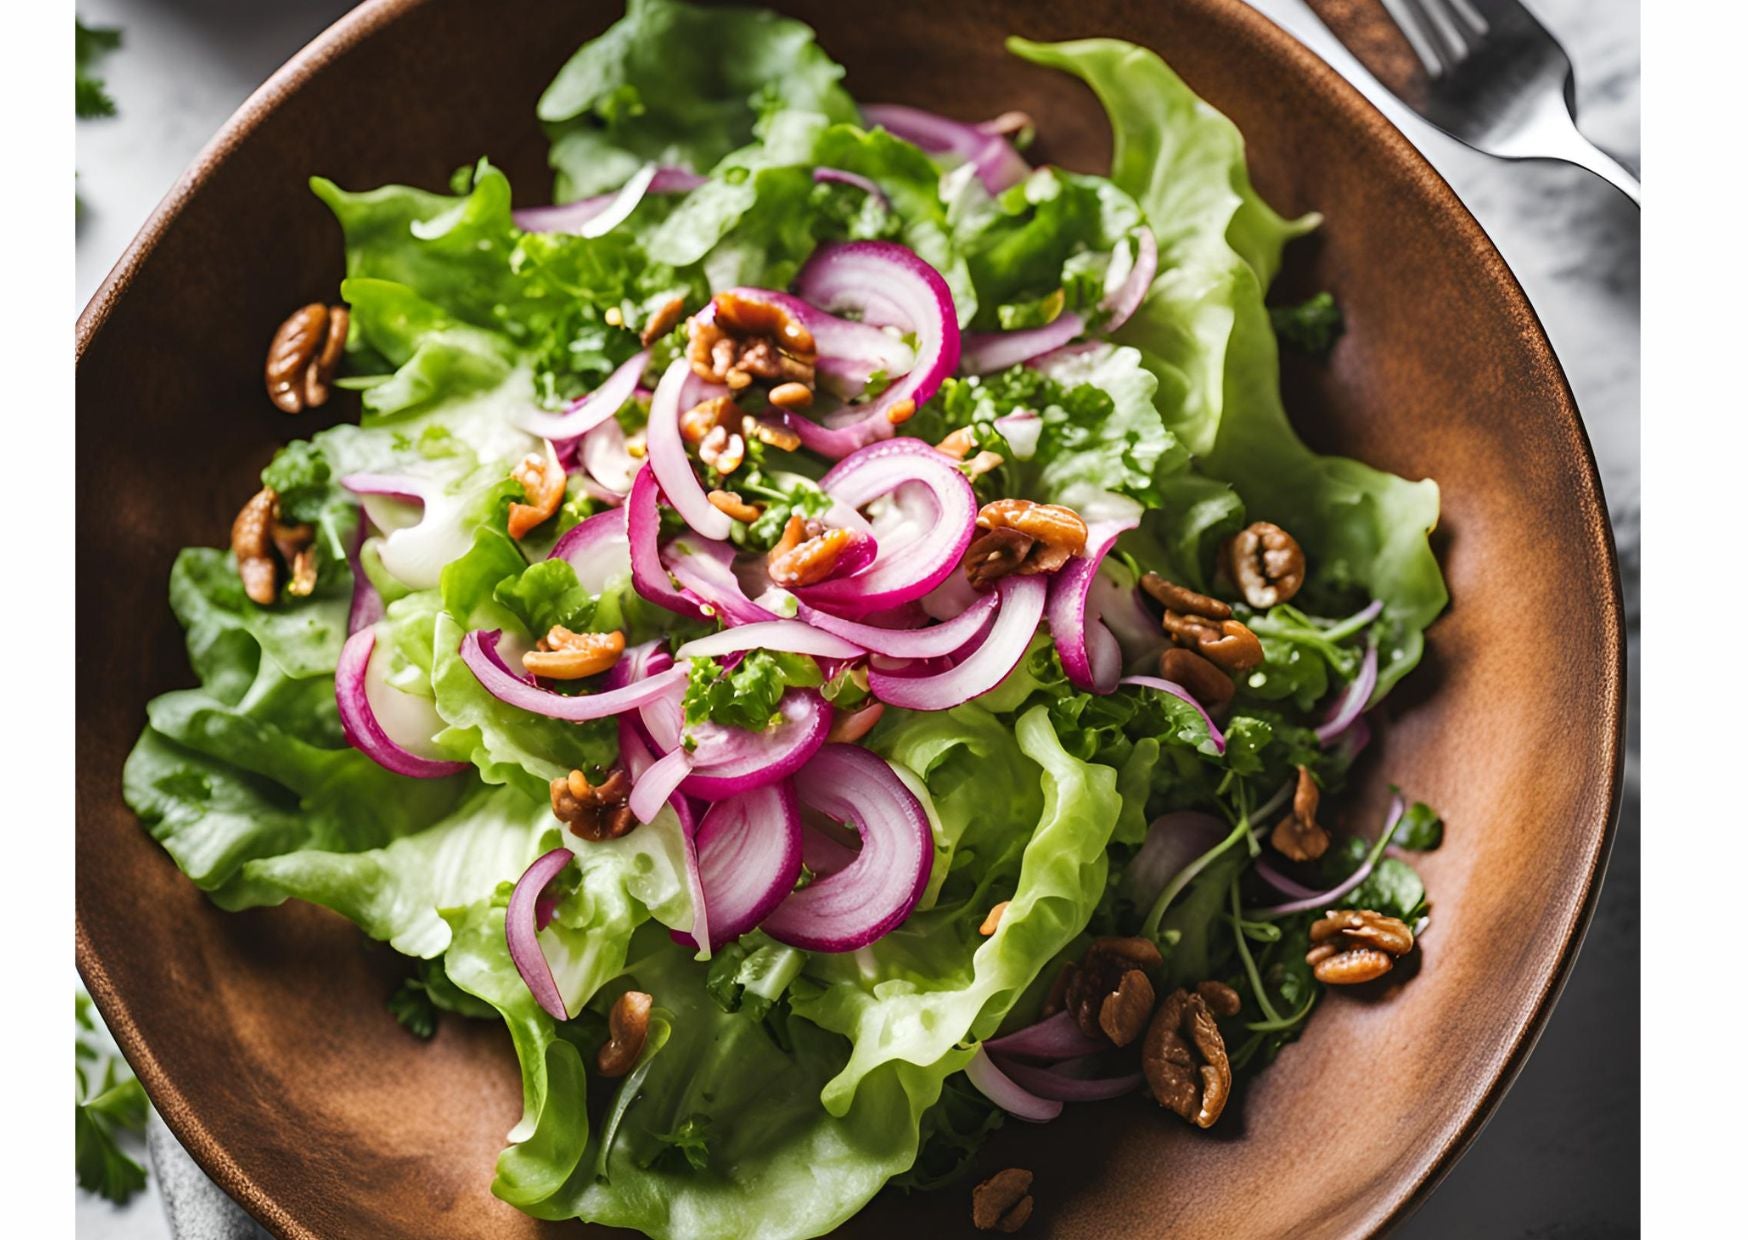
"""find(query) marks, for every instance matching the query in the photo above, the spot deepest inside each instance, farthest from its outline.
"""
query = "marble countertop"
(1560, 1156)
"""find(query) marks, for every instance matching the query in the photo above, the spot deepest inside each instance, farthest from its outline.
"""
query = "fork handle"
(1586, 154)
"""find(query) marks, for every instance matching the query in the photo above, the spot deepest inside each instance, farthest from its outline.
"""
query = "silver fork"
(1496, 80)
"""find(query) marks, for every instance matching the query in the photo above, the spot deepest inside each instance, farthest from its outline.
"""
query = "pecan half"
(627, 1027)
(1053, 535)
(1109, 991)
(1003, 1202)
(1195, 620)
(737, 339)
(1297, 837)
(1182, 599)
(564, 655)
(1267, 564)
(1206, 683)
(850, 726)
(594, 813)
(542, 479)
(303, 356)
(1354, 945)
(805, 556)
(663, 320)
(252, 543)
(993, 555)
(1184, 1057)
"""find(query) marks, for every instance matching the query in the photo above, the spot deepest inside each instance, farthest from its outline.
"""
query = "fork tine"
(1443, 18)
(1412, 24)
(1477, 24)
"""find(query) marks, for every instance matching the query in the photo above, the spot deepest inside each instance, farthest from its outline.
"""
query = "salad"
(826, 632)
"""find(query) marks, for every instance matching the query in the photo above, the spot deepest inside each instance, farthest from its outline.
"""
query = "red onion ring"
(1089, 652)
(1051, 1039)
(479, 650)
(704, 569)
(678, 391)
(412, 551)
(889, 286)
(367, 606)
(643, 526)
(1178, 691)
(1058, 1086)
(601, 453)
(1352, 702)
(659, 783)
(915, 643)
(726, 761)
(1115, 596)
(988, 352)
(1022, 607)
(749, 857)
(998, 164)
(597, 549)
(522, 935)
(362, 727)
(1007, 1094)
(1124, 300)
(789, 636)
(589, 411)
(839, 176)
(635, 755)
(576, 216)
(1319, 900)
(849, 909)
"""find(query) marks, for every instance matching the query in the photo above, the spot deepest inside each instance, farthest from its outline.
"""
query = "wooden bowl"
(263, 1037)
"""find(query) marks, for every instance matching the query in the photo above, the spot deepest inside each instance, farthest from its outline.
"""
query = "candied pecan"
(627, 1027)
(1352, 945)
(252, 543)
(717, 413)
(790, 396)
(769, 433)
(738, 339)
(807, 561)
(1100, 994)
(1297, 837)
(723, 451)
(593, 813)
(542, 479)
(982, 464)
(564, 655)
(303, 356)
(1052, 534)
(1003, 1202)
(1228, 644)
(1206, 683)
(1184, 1058)
(1182, 599)
(1267, 564)
(992, 922)
(663, 320)
(993, 555)
(731, 504)
(1221, 999)
(957, 443)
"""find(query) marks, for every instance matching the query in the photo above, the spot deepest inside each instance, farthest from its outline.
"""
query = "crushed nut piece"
(717, 413)
(1221, 999)
(1182, 599)
(731, 504)
(1182, 1029)
(1350, 946)
(613, 316)
(807, 561)
(737, 339)
(958, 443)
(663, 320)
(542, 479)
(593, 813)
(296, 547)
(982, 464)
(790, 396)
(627, 1027)
(303, 356)
(993, 921)
(1267, 564)
(1003, 1202)
(1205, 682)
(901, 412)
(1100, 995)
(564, 655)
(251, 542)
(770, 434)
(723, 451)
(993, 555)
(634, 446)
(1297, 837)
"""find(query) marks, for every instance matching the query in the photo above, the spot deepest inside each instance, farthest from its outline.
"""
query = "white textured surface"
(1560, 1157)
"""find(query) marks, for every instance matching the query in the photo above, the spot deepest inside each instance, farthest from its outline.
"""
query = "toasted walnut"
(304, 355)
(1003, 1202)
(738, 339)
(663, 320)
(806, 561)
(564, 655)
(1267, 564)
(993, 555)
(1206, 683)
(627, 1027)
(1102, 996)
(594, 813)
(1182, 599)
(1184, 1058)
(717, 413)
(252, 543)
(791, 396)
(542, 479)
(1297, 837)
(730, 504)
(723, 451)
(992, 922)
(1350, 946)
(1048, 536)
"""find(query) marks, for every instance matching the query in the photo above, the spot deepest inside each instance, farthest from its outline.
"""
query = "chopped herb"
(91, 44)
(108, 1100)
(746, 696)
(1311, 327)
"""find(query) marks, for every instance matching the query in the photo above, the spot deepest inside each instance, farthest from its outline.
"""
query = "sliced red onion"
(839, 176)
(849, 909)
(1178, 691)
(848, 727)
(415, 547)
(1051, 1039)
(749, 857)
(1173, 841)
(998, 164)
(1124, 300)
(479, 650)
(729, 761)
(1364, 616)
(1022, 607)
(678, 391)
(364, 701)
(988, 352)
(1319, 900)
(660, 782)
(916, 643)
(1354, 740)
(1281, 883)
(705, 570)
(1021, 429)
(597, 549)
(790, 636)
(1059, 1086)
(366, 608)
(1090, 656)
(822, 854)
(634, 754)
(1118, 601)
(521, 930)
(576, 217)
(1353, 699)
(889, 286)
(602, 453)
(951, 597)
(587, 412)
(1001, 1089)
(643, 526)
(924, 549)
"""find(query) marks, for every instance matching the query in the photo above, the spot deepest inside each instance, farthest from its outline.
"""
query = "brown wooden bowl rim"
(1402, 1197)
